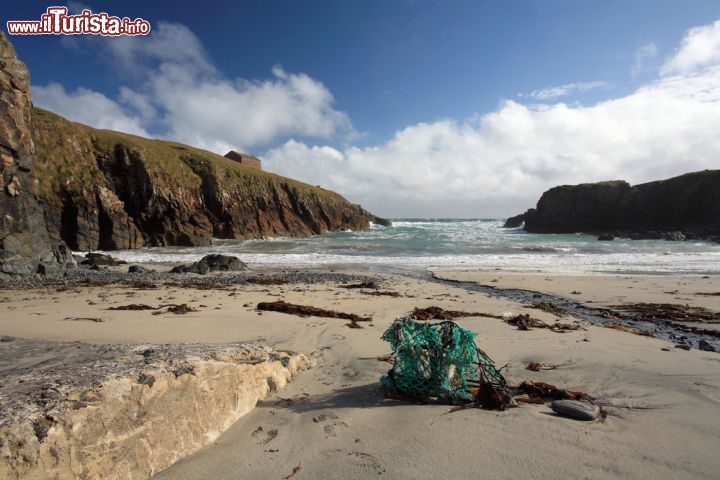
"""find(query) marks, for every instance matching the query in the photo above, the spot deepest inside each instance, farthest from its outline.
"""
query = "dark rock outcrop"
(212, 263)
(25, 244)
(679, 208)
(101, 260)
(515, 222)
(109, 190)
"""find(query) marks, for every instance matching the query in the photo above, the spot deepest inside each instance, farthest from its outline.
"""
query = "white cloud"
(489, 165)
(88, 107)
(500, 163)
(642, 55)
(178, 93)
(564, 90)
(699, 48)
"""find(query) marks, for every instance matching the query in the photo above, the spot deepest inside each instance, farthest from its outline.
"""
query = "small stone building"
(244, 159)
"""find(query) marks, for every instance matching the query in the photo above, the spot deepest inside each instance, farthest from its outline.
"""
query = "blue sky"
(392, 86)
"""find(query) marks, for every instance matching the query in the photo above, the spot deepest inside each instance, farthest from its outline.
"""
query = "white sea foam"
(481, 244)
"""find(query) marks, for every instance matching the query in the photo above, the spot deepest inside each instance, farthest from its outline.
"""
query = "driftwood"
(307, 311)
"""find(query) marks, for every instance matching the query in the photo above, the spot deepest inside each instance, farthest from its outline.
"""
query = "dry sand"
(332, 421)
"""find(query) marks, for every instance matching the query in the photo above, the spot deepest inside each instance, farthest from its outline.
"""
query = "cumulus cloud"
(87, 106)
(500, 163)
(699, 48)
(489, 165)
(642, 56)
(178, 93)
(564, 90)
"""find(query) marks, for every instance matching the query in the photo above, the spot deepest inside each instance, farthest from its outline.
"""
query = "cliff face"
(25, 245)
(108, 190)
(689, 203)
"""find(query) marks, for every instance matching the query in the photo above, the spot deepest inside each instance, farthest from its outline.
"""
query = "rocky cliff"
(687, 206)
(25, 245)
(98, 189)
(109, 190)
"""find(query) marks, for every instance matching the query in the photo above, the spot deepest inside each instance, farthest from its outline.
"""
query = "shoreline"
(333, 418)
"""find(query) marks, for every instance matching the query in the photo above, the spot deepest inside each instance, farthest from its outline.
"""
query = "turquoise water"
(468, 243)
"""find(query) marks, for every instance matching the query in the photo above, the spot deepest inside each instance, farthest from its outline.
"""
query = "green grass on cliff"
(66, 161)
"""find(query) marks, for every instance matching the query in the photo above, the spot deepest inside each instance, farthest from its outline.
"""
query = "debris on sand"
(537, 392)
(308, 311)
(134, 306)
(438, 362)
(297, 468)
(171, 308)
(85, 319)
(266, 281)
(669, 311)
(181, 309)
(549, 307)
(625, 328)
(526, 322)
(709, 294)
(437, 313)
(378, 293)
(537, 366)
(368, 284)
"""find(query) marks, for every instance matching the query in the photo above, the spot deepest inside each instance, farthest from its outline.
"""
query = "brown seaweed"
(307, 311)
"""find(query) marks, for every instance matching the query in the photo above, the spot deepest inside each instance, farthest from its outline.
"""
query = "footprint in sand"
(263, 437)
(365, 461)
(325, 416)
(330, 428)
(337, 336)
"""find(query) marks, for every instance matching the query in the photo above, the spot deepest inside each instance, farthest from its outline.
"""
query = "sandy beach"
(333, 422)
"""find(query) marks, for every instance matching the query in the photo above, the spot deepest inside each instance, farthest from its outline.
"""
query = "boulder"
(606, 237)
(212, 263)
(101, 259)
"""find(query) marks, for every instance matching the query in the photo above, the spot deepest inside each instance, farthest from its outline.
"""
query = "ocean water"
(451, 244)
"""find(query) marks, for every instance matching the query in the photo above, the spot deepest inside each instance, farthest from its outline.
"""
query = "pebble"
(6, 338)
(575, 409)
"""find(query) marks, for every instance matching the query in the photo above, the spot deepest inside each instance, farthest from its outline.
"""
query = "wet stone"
(576, 409)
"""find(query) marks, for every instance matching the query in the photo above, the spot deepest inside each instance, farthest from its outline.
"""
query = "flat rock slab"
(81, 410)
(575, 409)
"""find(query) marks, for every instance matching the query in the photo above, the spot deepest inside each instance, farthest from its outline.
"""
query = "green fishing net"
(438, 361)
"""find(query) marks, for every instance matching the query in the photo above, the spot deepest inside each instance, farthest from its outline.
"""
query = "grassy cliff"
(110, 190)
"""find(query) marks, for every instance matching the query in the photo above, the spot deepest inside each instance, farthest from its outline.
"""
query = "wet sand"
(663, 403)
